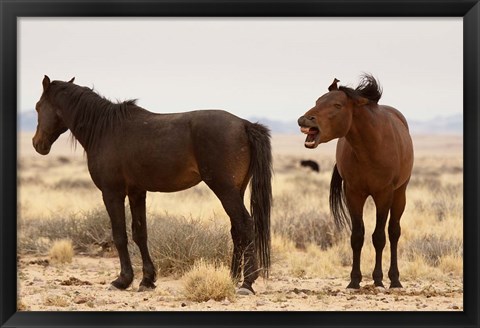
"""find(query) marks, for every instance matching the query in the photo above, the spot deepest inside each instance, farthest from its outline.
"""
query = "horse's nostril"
(304, 120)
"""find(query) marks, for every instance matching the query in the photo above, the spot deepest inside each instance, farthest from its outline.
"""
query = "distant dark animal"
(310, 164)
(131, 151)
(374, 158)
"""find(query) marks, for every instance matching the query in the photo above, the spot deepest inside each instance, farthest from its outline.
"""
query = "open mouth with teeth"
(313, 136)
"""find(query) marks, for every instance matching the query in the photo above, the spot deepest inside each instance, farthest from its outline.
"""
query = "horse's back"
(403, 139)
(171, 152)
(397, 117)
(208, 145)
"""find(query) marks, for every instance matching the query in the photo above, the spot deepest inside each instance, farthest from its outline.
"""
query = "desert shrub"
(305, 184)
(433, 248)
(63, 160)
(447, 202)
(70, 183)
(175, 243)
(61, 251)
(206, 281)
(440, 208)
(83, 229)
(32, 180)
(312, 226)
(451, 264)
(281, 246)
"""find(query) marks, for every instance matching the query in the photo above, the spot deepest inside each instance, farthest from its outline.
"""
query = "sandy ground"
(83, 285)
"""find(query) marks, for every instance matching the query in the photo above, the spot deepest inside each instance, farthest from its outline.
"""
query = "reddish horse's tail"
(337, 201)
(261, 190)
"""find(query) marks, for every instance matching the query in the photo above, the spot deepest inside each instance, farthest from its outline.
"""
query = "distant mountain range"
(452, 124)
(27, 121)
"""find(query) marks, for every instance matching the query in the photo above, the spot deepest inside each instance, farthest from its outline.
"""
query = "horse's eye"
(338, 106)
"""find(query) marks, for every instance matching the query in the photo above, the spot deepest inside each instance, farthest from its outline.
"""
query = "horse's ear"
(45, 82)
(71, 81)
(333, 86)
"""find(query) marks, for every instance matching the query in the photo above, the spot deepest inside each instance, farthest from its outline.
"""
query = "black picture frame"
(12, 10)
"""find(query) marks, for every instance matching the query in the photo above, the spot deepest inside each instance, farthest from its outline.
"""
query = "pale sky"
(253, 67)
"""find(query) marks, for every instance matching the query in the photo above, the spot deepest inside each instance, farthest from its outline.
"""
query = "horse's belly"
(373, 176)
(164, 186)
(164, 179)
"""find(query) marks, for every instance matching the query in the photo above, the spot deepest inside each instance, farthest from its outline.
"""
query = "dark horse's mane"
(92, 115)
(367, 88)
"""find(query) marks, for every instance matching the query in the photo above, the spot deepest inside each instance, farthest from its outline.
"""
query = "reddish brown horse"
(131, 151)
(374, 158)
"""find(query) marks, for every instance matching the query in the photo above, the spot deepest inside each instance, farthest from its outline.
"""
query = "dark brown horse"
(131, 151)
(374, 158)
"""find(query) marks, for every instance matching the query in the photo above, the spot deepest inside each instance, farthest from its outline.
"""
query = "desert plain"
(311, 261)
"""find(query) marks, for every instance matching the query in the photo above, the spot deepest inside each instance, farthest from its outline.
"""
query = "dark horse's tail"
(337, 201)
(261, 190)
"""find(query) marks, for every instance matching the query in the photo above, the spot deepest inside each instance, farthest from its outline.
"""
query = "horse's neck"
(68, 116)
(364, 135)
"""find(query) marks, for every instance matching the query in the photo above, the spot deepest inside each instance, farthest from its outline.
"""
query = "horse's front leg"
(115, 204)
(139, 234)
(383, 202)
(355, 202)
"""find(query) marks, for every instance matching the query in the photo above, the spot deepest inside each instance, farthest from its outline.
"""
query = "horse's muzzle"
(41, 147)
(309, 126)
(304, 121)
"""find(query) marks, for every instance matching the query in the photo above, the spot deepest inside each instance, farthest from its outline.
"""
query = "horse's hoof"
(396, 285)
(113, 287)
(379, 285)
(143, 288)
(353, 285)
(244, 291)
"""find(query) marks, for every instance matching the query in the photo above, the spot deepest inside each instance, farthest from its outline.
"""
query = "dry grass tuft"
(281, 247)
(303, 227)
(56, 300)
(176, 243)
(206, 281)
(61, 251)
(433, 248)
(21, 306)
(86, 229)
(314, 262)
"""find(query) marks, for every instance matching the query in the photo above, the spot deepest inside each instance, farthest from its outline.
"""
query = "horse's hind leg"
(244, 245)
(394, 231)
(242, 234)
(115, 204)
(139, 235)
